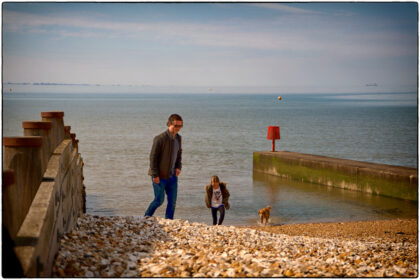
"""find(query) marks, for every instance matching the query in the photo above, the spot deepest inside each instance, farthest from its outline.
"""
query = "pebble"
(156, 247)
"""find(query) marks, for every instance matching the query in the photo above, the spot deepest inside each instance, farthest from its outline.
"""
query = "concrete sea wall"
(42, 194)
(381, 179)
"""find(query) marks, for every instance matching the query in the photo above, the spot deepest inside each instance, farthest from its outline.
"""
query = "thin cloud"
(283, 8)
(279, 49)
(220, 35)
(19, 22)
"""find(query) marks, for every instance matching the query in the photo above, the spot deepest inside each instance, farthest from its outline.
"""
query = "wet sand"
(396, 231)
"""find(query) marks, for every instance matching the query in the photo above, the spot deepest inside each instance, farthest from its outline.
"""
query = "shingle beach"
(156, 247)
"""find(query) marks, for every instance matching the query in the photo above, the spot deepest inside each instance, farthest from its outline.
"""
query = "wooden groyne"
(381, 179)
(42, 194)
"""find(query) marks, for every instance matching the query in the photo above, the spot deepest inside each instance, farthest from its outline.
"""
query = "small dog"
(265, 214)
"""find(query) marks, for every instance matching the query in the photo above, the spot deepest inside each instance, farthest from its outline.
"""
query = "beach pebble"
(156, 247)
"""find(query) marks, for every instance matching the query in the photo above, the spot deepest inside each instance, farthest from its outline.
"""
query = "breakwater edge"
(378, 179)
(42, 194)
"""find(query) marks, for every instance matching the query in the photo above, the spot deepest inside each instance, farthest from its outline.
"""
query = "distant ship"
(372, 85)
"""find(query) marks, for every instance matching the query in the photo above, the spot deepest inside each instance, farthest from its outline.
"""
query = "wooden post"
(75, 142)
(9, 201)
(56, 118)
(23, 156)
(67, 129)
(43, 129)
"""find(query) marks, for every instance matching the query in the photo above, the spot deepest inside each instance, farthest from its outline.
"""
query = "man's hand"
(177, 172)
(156, 180)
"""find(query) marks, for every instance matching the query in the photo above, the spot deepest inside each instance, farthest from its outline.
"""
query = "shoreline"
(392, 230)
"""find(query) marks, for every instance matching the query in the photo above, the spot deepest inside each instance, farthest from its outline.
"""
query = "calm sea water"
(219, 136)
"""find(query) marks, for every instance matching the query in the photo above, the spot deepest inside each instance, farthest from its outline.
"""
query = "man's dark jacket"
(161, 155)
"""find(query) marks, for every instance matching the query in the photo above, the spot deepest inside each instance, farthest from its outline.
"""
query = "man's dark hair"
(172, 118)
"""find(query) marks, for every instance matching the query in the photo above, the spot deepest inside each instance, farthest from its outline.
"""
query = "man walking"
(165, 166)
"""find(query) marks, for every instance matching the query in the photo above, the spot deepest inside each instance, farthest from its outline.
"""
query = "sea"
(220, 134)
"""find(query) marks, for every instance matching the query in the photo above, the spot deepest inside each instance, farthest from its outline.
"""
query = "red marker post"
(273, 134)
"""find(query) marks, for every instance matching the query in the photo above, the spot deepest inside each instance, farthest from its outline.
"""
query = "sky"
(211, 47)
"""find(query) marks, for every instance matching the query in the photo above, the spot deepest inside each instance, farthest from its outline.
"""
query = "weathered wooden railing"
(43, 191)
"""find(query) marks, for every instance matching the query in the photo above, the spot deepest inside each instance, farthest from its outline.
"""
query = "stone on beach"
(156, 247)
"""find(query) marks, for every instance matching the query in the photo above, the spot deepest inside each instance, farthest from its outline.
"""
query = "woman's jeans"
(214, 210)
(170, 186)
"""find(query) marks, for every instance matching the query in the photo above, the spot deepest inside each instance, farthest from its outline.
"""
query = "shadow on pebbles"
(156, 247)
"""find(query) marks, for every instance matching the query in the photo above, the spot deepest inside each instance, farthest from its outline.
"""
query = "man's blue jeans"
(170, 186)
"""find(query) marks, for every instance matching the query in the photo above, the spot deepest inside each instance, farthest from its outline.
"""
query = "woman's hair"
(172, 118)
(214, 179)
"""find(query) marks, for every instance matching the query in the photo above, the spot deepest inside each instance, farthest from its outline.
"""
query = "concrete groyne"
(42, 194)
(381, 179)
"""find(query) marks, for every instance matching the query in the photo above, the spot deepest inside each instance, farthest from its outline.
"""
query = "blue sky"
(213, 47)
